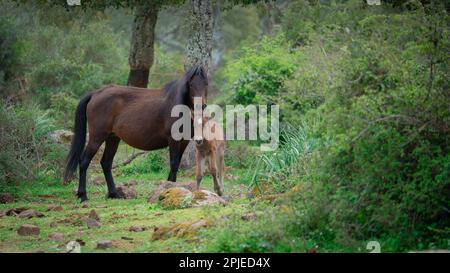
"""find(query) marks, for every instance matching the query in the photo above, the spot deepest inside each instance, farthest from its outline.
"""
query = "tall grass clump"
(279, 168)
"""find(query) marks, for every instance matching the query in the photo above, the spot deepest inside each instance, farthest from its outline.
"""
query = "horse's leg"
(111, 145)
(176, 150)
(88, 154)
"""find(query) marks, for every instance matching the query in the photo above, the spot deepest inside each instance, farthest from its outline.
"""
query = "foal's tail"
(79, 138)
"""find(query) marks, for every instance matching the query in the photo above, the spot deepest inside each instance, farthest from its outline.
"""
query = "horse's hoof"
(82, 196)
(116, 195)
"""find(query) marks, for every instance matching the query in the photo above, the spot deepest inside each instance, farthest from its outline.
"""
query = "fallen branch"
(130, 159)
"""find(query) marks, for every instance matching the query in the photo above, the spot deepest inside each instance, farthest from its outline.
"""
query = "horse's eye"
(203, 106)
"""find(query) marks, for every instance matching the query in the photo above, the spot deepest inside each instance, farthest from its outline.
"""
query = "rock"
(184, 229)
(175, 198)
(6, 198)
(312, 250)
(64, 137)
(137, 229)
(53, 207)
(92, 223)
(164, 185)
(15, 211)
(93, 215)
(28, 230)
(128, 192)
(250, 195)
(204, 198)
(127, 238)
(56, 236)
(249, 216)
(30, 214)
(104, 244)
(61, 136)
(85, 205)
(73, 247)
(131, 183)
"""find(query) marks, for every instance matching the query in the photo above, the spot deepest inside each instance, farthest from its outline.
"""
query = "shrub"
(23, 142)
(152, 162)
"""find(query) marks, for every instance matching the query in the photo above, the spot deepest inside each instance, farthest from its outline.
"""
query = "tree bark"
(142, 40)
(200, 41)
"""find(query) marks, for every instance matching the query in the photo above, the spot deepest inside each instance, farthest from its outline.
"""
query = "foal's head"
(196, 95)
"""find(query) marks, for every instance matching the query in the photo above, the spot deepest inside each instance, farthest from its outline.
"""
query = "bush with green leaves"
(383, 162)
(73, 62)
(152, 162)
(25, 147)
(258, 73)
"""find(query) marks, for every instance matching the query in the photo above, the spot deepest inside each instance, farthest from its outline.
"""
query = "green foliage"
(25, 148)
(152, 162)
(278, 167)
(258, 73)
(73, 62)
(383, 161)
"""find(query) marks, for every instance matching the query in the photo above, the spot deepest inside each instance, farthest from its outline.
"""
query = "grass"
(116, 216)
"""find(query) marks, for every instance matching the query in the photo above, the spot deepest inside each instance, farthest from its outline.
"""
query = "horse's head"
(197, 87)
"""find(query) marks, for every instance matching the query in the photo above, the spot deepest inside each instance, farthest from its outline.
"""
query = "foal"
(210, 150)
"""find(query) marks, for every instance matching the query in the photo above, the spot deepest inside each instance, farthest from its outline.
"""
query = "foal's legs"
(111, 145)
(176, 150)
(213, 170)
(88, 154)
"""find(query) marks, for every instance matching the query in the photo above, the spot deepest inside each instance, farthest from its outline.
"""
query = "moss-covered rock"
(204, 198)
(175, 198)
(180, 230)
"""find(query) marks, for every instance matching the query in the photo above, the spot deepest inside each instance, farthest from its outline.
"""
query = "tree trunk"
(199, 51)
(141, 50)
(200, 41)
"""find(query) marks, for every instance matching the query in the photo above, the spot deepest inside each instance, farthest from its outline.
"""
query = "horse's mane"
(180, 86)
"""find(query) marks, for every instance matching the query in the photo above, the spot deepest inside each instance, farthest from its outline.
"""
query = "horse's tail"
(79, 138)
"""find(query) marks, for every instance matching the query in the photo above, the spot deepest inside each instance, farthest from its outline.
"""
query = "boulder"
(56, 236)
(184, 229)
(175, 198)
(104, 244)
(56, 208)
(6, 198)
(128, 192)
(137, 229)
(93, 215)
(204, 198)
(164, 185)
(61, 136)
(28, 230)
(15, 211)
(92, 223)
(73, 247)
(29, 213)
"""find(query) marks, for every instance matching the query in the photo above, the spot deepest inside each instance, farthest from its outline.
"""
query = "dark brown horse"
(141, 117)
